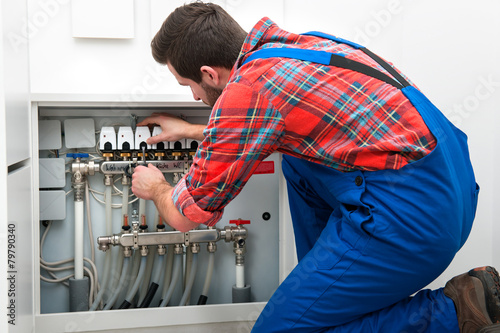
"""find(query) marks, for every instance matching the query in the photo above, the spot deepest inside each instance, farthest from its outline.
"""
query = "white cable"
(46, 264)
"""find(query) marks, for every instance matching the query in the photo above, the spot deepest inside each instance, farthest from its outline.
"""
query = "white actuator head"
(107, 138)
(160, 145)
(125, 138)
(142, 133)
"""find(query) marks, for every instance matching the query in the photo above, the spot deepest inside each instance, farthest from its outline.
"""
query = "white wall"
(449, 48)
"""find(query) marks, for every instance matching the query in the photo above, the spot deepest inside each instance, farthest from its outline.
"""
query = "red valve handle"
(239, 221)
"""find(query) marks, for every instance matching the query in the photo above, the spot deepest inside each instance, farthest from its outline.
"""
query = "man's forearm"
(196, 132)
(168, 211)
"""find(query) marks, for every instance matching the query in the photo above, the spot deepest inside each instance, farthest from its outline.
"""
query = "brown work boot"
(476, 295)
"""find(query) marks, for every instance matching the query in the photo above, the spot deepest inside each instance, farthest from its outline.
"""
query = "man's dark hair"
(198, 34)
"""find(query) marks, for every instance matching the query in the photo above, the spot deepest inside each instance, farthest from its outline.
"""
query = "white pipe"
(168, 270)
(142, 208)
(131, 293)
(149, 268)
(116, 254)
(240, 276)
(210, 270)
(125, 201)
(134, 269)
(158, 268)
(104, 282)
(189, 260)
(190, 282)
(108, 210)
(111, 301)
(78, 240)
(175, 276)
(108, 259)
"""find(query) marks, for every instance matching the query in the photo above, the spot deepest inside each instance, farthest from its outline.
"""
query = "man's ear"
(210, 76)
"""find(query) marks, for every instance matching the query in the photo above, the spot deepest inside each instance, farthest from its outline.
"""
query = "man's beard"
(212, 94)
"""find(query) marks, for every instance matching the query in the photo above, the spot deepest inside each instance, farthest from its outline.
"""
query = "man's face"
(201, 91)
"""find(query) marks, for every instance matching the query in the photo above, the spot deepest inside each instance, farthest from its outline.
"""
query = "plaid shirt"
(328, 115)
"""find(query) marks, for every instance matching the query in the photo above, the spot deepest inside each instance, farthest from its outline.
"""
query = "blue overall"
(367, 240)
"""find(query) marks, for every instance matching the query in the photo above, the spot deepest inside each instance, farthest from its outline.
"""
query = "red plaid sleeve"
(244, 129)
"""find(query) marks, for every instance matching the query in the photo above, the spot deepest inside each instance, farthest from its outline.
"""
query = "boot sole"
(495, 328)
(491, 285)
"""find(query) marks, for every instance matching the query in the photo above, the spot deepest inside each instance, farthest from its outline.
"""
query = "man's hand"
(149, 183)
(173, 128)
(146, 181)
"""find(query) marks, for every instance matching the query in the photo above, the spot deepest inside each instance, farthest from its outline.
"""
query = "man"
(381, 189)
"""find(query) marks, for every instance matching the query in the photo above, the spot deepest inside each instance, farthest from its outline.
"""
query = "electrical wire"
(46, 265)
(89, 274)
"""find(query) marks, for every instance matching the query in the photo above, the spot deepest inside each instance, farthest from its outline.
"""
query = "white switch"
(192, 144)
(125, 138)
(156, 131)
(107, 140)
(142, 133)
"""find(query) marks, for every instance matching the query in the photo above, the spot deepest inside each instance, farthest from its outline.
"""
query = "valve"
(239, 222)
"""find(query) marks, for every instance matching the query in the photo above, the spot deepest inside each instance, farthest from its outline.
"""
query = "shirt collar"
(257, 36)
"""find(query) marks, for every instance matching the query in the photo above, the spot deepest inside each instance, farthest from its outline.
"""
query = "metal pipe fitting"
(162, 249)
(144, 251)
(211, 247)
(178, 249)
(195, 248)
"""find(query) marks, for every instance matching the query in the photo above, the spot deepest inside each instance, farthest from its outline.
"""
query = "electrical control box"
(139, 271)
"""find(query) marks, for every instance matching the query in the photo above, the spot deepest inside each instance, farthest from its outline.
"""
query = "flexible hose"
(113, 298)
(130, 295)
(149, 268)
(176, 272)
(107, 260)
(168, 270)
(136, 262)
(154, 282)
(158, 269)
(208, 278)
(190, 281)
(104, 284)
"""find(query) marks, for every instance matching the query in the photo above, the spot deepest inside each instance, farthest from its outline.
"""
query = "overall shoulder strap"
(333, 59)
